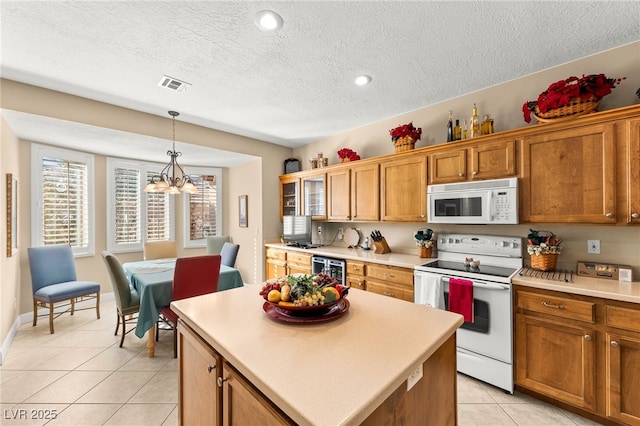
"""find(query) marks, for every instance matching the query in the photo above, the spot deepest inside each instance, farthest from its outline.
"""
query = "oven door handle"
(488, 286)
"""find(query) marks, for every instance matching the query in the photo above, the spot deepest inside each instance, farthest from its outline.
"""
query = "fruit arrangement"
(303, 291)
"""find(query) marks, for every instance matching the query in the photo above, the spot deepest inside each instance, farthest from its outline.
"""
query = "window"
(134, 216)
(62, 198)
(204, 209)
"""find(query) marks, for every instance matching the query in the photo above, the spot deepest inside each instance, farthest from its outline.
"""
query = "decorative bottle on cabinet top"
(457, 131)
(450, 128)
(474, 123)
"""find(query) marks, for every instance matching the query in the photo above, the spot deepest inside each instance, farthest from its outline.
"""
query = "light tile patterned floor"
(82, 375)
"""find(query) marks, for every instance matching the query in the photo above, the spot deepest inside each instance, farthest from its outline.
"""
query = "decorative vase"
(405, 143)
(424, 251)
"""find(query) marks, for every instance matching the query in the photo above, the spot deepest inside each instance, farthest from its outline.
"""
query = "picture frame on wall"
(243, 215)
(12, 215)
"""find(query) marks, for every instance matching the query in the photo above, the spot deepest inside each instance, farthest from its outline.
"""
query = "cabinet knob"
(609, 215)
(348, 217)
(587, 337)
(221, 381)
(635, 215)
(210, 368)
(475, 172)
(389, 294)
(614, 344)
(460, 174)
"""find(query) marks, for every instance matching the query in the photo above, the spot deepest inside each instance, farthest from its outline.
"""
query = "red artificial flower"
(561, 92)
(405, 130)
(348, 153)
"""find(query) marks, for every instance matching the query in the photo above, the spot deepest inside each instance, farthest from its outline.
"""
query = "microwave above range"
(480, 202)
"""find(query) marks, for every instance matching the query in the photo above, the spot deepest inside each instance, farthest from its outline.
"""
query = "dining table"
(153, 281)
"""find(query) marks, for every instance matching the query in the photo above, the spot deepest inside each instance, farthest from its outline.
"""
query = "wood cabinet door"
(338, 195)
(493, 160)
(275, 268)
(245, 405)
(314, 196)
(633, 175)
(199, 398)
(296, 268)
(398, 291)
(289, 196)
(404, 189)
(623, 378)
(365, 192)
(448, 165)
(556, 359)
(569, 176)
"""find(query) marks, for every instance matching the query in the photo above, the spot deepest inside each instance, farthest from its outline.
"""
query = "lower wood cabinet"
(356, 274)
(390, 281)
(281, 262)
(579, 350)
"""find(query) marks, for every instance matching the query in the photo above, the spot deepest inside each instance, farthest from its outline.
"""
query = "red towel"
(461, 298)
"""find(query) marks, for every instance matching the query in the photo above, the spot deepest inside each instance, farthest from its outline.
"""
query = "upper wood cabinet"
(403, 192)
(487, 160)
(569, 176)
(632, 181)
(289, 195)
(353, 193)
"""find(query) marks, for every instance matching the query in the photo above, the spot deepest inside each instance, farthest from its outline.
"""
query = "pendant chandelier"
(172, 178)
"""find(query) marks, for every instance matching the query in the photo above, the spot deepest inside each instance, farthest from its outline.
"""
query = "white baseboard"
(27, 317)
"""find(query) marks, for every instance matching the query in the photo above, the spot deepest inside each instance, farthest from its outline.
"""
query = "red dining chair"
(193, 276)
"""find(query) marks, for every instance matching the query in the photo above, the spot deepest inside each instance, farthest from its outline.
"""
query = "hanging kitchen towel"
(461, 298)
(428, 290)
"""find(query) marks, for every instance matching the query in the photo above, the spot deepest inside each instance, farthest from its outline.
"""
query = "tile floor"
(82, 376)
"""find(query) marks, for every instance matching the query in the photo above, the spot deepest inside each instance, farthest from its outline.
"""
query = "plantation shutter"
(158, 217)
(127, 206)
(203, 207)
(65, 202)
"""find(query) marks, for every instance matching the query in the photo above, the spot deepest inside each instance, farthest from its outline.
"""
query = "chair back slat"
(51, 264)
(195, 276)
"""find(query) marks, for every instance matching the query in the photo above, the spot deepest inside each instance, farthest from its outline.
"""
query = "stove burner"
(563, 276)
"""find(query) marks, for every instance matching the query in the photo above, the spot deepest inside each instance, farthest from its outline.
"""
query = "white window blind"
(62, 199)
(127, 205)
(158, 214)
(204, 208)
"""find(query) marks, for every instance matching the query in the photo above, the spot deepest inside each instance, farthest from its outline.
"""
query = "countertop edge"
(604, 289)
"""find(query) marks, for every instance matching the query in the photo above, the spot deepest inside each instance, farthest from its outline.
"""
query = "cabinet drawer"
(302, 258)
(355, 268)
(627, 319)
(276, 254)
(392, 290)
(390, 273)
(356, 282)
(557, 306)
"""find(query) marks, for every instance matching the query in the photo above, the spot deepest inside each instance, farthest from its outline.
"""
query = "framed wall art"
(243, 219)
(12, 215)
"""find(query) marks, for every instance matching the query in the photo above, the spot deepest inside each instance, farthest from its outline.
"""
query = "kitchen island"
(352, 370)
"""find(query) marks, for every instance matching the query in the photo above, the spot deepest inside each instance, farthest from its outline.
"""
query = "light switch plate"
(593, 246)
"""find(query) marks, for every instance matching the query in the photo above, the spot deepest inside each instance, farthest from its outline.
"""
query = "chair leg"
(98, 305)
(51, 318)
(124, 329)
(73, 305)
(117, 322)
(157, 328)
(35, 312)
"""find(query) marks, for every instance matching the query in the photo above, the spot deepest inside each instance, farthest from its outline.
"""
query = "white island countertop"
(333, 373)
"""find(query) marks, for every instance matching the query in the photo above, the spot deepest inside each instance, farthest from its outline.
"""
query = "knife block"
(381, 247)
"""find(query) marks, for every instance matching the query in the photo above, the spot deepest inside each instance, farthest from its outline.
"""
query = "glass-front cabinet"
(314, 196)
(289, 196)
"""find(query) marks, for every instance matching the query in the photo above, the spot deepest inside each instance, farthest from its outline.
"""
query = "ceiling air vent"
(173, 84)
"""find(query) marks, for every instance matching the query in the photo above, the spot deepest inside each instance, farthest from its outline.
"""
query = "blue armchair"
(53, 280)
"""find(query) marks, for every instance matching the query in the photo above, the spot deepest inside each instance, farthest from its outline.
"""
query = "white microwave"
(479, 202)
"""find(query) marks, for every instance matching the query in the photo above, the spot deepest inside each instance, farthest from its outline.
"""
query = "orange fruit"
(332, 290)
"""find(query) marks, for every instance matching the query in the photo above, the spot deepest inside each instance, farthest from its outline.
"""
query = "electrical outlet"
(593, 246)
(319, 229)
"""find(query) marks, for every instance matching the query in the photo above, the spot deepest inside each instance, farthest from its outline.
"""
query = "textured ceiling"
(295, 86)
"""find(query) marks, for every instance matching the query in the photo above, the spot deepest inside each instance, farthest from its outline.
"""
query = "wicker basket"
(544, 262)
(576, 108)
(405, 143)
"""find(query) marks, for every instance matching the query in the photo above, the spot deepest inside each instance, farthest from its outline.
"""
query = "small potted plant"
(346, 155)
(424, 241)
(570, 97)
(544, 248)
(404, 137)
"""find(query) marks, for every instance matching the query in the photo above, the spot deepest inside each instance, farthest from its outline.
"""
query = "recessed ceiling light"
(363, 80)
(268, 20)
